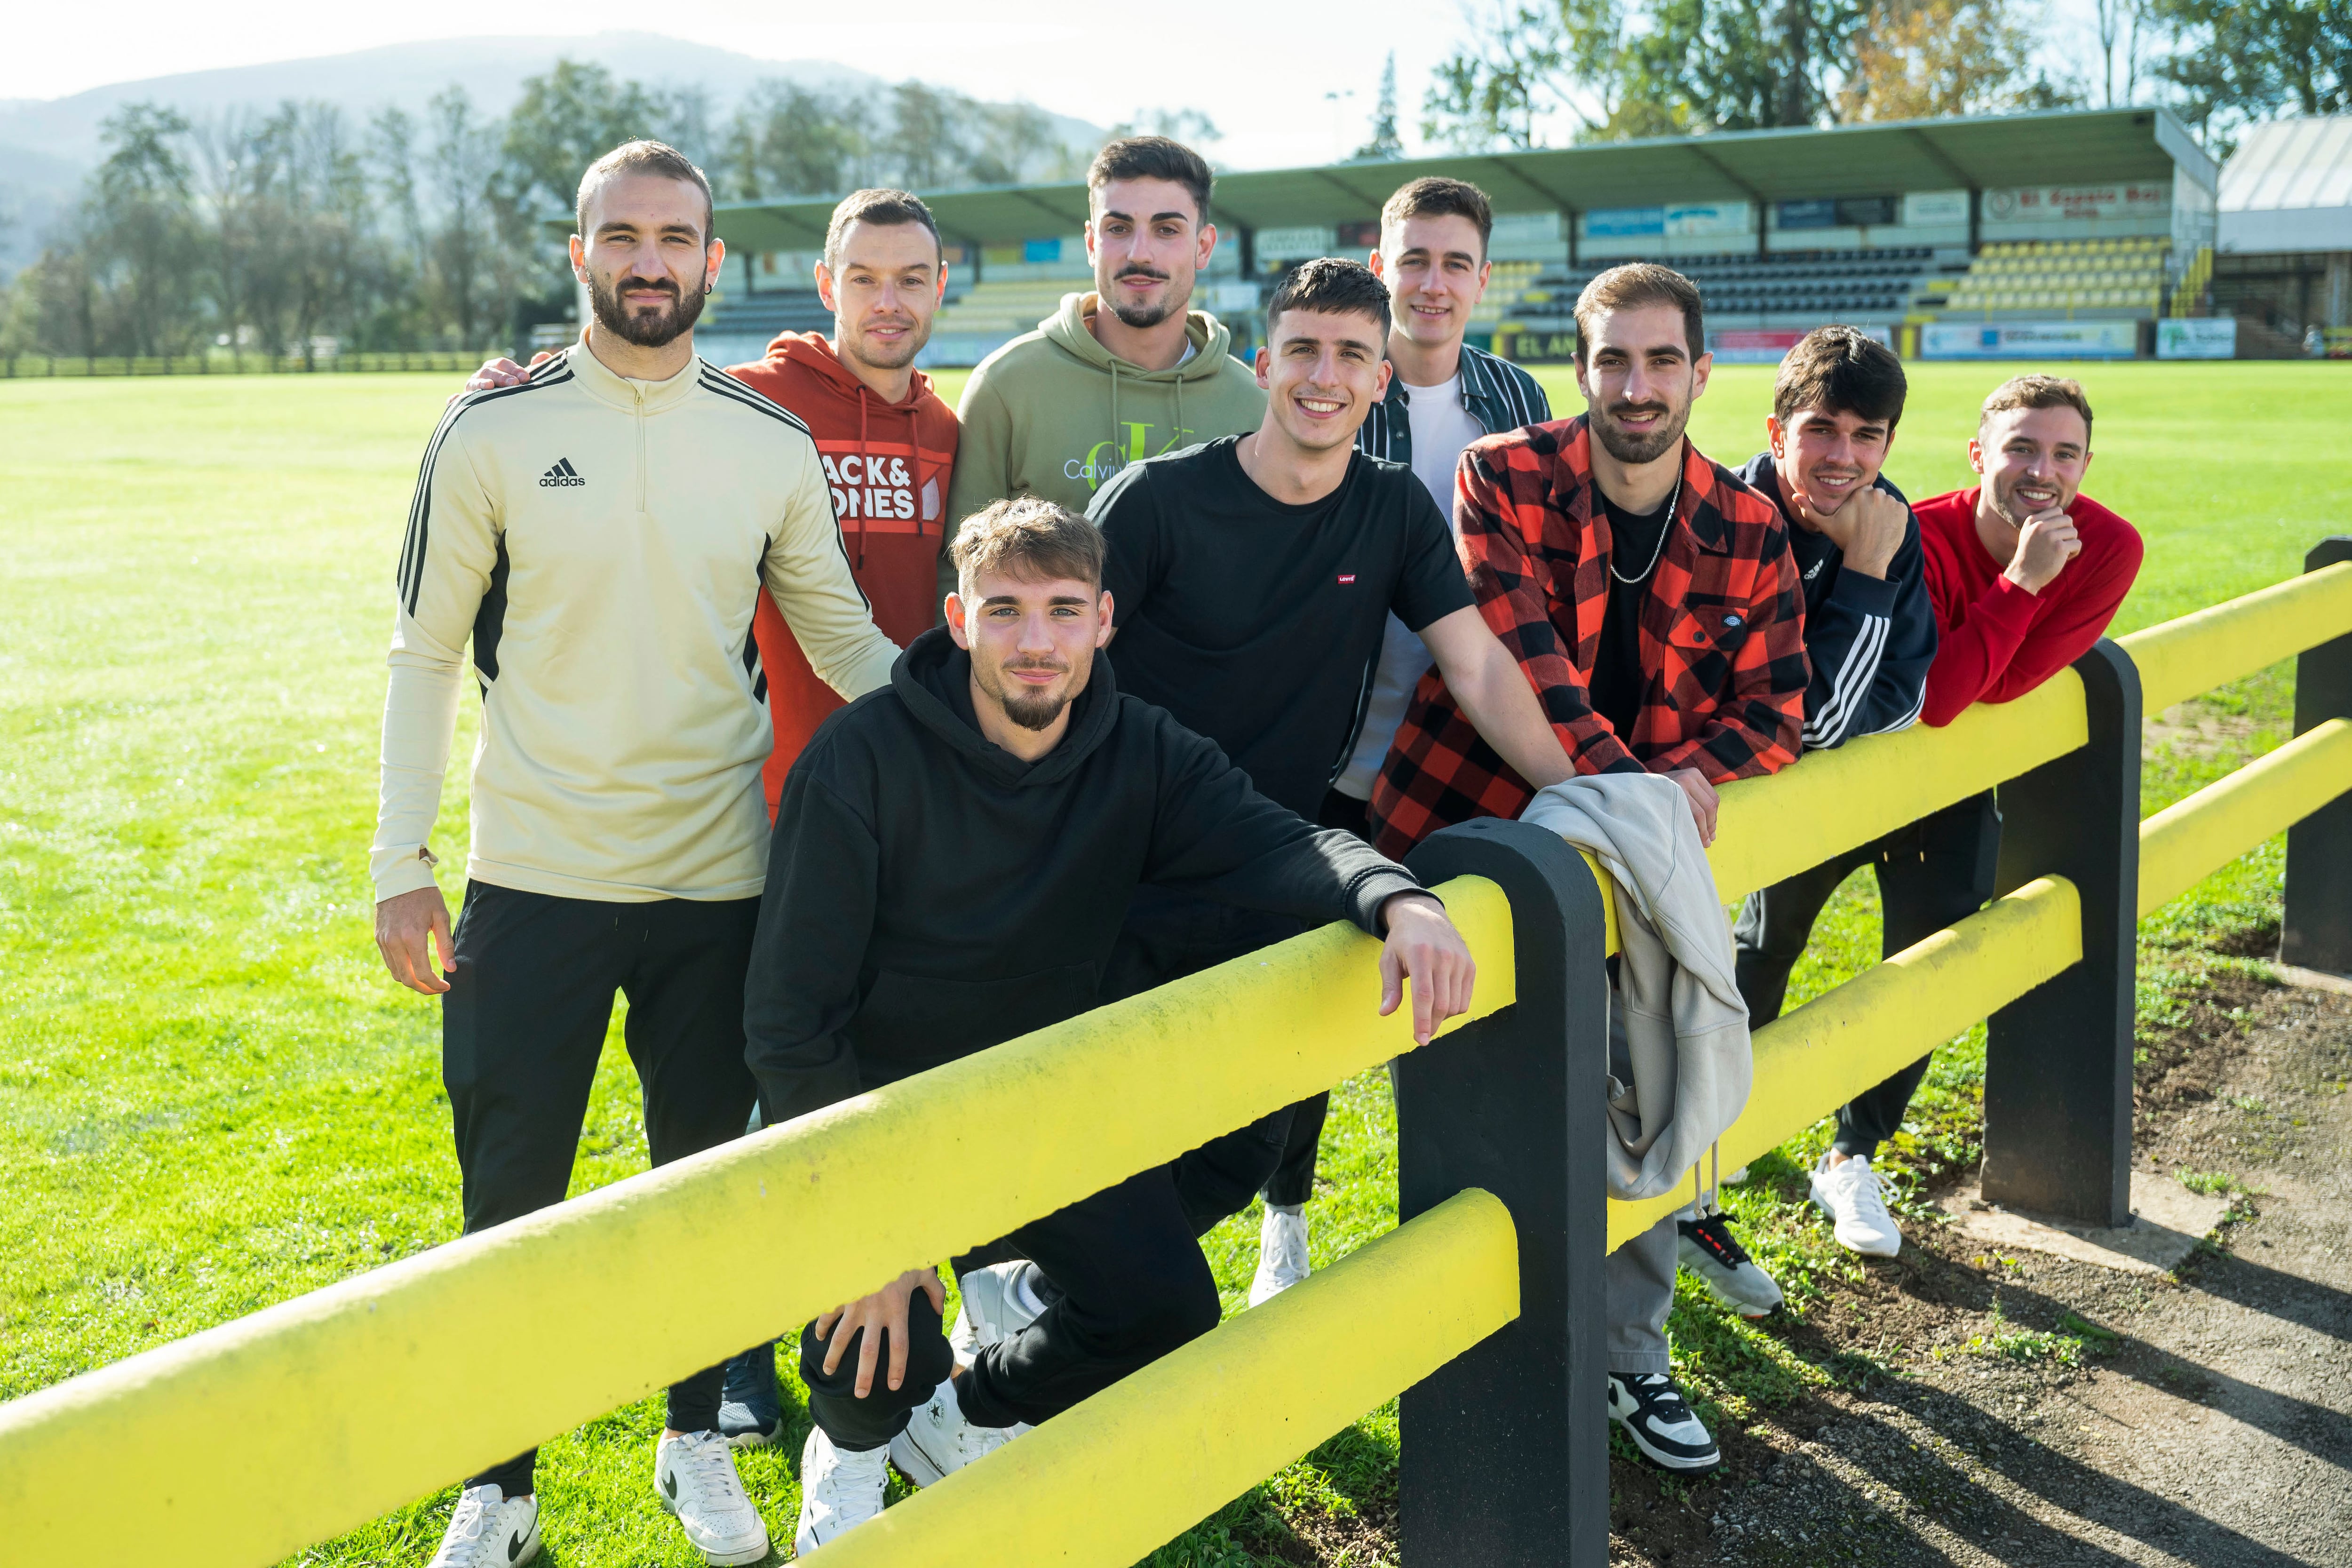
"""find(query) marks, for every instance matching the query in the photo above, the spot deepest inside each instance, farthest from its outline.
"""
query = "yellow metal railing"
(1225, 1412)
(256, 1439)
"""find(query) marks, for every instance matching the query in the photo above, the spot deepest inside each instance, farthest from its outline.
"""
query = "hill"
(46, 145)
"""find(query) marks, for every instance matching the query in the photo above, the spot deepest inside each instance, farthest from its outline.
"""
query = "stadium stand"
(2035, 278)
(2011, 220)
(2284, 266)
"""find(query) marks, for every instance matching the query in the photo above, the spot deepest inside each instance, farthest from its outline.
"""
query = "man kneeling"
(951, 859)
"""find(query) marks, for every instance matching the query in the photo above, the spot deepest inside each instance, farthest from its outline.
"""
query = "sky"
(1307, 97)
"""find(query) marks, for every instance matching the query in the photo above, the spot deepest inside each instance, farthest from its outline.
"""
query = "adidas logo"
(560, 476)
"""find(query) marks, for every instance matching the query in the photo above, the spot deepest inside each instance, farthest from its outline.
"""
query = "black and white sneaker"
(1710, 1251)
(489, 1529)
(750, 1410)
(1660, 1422)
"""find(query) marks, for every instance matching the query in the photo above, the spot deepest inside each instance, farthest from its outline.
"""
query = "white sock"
(1293, 1210)
(1024, 1292)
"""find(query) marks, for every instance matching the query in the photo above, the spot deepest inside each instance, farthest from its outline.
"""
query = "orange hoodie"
(888, 465)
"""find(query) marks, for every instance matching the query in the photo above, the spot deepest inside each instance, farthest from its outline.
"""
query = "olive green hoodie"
(1055, 414)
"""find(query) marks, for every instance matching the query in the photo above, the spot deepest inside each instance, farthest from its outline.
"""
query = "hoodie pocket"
(918, 1021)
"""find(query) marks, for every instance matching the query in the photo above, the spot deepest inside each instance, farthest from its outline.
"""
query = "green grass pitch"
(212, 1098)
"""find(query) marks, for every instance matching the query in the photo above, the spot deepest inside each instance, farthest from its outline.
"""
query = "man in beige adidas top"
(601, 532)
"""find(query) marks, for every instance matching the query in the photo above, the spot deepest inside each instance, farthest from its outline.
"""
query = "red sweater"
(1996, 642)
(888, 463)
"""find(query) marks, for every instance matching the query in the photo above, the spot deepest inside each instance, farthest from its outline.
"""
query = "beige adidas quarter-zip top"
(603, 543)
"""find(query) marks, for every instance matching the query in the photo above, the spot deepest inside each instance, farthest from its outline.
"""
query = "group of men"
(1360, 590)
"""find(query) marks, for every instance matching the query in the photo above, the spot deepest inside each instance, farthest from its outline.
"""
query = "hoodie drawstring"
(865, 465)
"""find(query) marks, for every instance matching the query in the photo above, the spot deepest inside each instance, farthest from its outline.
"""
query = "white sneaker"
(938, 1441)
(1281, 1254)
(695, 1477)
(489, 1529)
(999, 1301)
(1710, 1251)
(1848, 1192)
(1660, 1422)
(839, 1491)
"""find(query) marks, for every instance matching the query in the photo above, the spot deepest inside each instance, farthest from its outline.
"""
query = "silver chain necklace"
(1666, 528)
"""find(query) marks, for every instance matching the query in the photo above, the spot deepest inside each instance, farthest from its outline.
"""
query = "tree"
(1385, 142)
(465, 248)
(1670, 67)
(2240, 61)
(142, 224)
(1919, 59)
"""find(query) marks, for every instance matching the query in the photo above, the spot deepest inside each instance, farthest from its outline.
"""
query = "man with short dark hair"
(601, 534)
(2024, 573)
(1124, 372)
(1652, 602)
(1256, 577)
(1441, 395)
(1870, 636)
(950, 864)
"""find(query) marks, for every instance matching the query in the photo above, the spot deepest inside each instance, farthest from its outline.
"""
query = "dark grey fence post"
(2316, 931)
(1505, 1460)
(2058, 1066)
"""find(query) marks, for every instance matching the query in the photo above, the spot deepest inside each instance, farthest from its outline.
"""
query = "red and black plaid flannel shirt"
(1722, 633)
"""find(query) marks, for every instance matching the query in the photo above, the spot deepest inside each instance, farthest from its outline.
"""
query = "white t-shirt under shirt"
(1441, 427)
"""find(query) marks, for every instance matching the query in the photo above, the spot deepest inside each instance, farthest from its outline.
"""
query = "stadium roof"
(2289, 187)
(1980, 152)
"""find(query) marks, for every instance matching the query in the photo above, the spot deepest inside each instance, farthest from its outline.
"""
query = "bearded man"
(1652, 600)
(602, 533)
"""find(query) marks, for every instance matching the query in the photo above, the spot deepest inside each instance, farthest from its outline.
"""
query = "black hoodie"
(931, 895)
(1870, 640)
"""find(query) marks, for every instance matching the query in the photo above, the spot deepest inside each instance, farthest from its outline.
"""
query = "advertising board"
(2029, 340)
(1693, 220)
(2196, 337)
(1768, 345)
(2121, 199)
(1624, 223)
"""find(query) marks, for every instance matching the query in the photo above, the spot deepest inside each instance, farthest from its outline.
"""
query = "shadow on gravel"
(2061, 1481)
(2323, 1433)
(2322, 1308)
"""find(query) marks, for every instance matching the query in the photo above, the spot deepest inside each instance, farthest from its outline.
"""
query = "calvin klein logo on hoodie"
(1104, 459)
(873, 485)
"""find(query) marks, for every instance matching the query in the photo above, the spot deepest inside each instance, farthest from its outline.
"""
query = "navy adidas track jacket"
(1870, 641)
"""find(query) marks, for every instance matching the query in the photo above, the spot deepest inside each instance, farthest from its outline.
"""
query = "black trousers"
(1932, 873)
(523, 1022)
(1128, 1286)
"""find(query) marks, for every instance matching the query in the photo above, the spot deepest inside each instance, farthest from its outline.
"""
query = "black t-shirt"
(1258, 624)
(1617, 678)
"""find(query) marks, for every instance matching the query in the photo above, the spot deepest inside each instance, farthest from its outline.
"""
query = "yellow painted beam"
(1827, 802)
(1814, 1059)
(2185, 657)
(2186, 842)
(259, 1437)
(1105, 1483)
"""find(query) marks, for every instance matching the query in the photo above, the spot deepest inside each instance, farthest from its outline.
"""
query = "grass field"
(212, 1099)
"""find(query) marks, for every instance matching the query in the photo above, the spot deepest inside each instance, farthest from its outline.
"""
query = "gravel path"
(2205, 1417)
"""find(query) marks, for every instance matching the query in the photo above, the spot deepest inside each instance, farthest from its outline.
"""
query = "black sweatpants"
(1128, 1286)
(523, 1022)
(1932, 873)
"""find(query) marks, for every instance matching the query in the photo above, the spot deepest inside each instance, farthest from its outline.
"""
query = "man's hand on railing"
(883, 1313)
(403, 924)
(1703, 802)
(1423, 947)
(499, 372)
(2044, 545)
